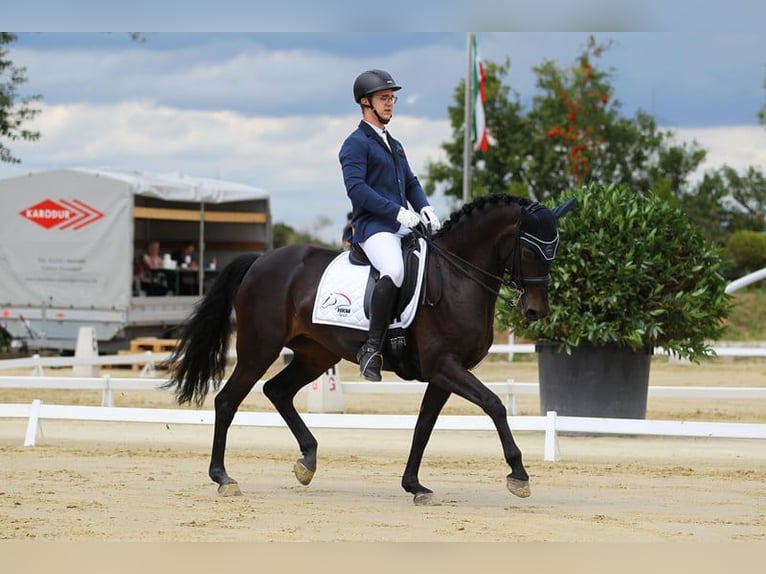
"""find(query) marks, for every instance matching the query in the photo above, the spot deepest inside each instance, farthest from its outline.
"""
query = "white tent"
(68, 237)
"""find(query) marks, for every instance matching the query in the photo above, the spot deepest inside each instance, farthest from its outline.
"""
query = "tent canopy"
(179, 187)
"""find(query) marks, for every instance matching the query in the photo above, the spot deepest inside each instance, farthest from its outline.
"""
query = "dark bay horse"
(273, 295)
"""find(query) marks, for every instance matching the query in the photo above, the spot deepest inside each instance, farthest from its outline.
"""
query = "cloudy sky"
(272, 109)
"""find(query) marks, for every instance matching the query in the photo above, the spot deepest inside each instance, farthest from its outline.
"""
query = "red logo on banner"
(62, 214)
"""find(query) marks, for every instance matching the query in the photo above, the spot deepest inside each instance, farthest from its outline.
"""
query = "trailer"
(71, 239)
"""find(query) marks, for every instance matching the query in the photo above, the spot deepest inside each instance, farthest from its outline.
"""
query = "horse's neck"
(477, 239)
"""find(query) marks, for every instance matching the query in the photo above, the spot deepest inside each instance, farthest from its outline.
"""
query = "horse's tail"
(201, 353)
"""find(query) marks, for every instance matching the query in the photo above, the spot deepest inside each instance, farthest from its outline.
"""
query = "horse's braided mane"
(480, 203)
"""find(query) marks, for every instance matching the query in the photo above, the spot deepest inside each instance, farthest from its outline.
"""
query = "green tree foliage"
(16, 111)
(748, 250)
(573, 134)
(286, 235)
(725, 202)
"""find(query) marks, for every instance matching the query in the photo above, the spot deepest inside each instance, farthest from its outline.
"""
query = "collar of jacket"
(370, 132)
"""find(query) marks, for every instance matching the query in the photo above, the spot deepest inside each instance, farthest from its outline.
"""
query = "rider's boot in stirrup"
(370, 357)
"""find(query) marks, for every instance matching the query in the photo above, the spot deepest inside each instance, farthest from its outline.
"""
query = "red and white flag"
(480, 137)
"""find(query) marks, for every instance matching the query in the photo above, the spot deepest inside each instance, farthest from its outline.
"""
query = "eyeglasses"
(386, 99)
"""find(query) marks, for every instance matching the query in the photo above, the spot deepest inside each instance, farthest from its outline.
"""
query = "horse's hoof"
(423, 499)
(229, 489)
(519, 487)
(303, 474)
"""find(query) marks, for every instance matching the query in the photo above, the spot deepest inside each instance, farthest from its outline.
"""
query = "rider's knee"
(396, 275)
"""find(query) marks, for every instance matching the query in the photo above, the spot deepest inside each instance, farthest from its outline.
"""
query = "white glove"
(407, 218)
(430, 218)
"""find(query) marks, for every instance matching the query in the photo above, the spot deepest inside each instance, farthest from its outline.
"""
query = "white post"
(468, 115)
(33, 425)
(106, 396)
(85, 352)
(148, 370)
(37, 370)
(325, 394)
(511, 407)
(551, 452)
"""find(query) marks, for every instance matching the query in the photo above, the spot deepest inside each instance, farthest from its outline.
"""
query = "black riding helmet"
(372, 81)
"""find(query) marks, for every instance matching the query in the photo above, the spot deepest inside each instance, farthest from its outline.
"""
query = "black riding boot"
(370, 356)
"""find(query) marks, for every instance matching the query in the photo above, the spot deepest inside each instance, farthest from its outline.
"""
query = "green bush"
(631, 271)
(748, 250)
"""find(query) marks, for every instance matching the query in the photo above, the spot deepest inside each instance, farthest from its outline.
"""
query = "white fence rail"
(150, 359)
(507, 390)
(551, 424)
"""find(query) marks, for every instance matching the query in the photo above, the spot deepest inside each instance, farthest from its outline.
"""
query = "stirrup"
(370, 363)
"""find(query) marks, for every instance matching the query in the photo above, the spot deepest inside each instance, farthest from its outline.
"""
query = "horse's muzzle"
(533, 314)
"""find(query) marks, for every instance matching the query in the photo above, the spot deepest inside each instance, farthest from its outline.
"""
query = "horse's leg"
(455, 378)
(248, 370)
(432, 404)
(306, 366)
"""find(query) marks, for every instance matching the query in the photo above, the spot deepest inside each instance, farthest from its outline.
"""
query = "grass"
(747, 319)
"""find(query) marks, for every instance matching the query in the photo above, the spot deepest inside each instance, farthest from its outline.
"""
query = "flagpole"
(468, 131)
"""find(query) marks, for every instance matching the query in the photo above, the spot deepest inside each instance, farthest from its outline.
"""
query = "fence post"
(37, 370)
(33, 425)
(511, 407)
(148, 370)
(106, 396)
(85, 352)
(551, 452)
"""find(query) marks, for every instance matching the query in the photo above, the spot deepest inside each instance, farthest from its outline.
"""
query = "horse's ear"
(561, 210)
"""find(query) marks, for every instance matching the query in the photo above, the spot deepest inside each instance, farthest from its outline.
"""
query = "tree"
(284, 234)
(725, 202)
(573, 134)
(502, 166)
(16, 111)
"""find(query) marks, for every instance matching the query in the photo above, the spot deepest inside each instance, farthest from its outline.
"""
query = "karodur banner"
(65, 240)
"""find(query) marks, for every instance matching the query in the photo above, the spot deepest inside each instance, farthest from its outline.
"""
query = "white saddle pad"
(340, 297)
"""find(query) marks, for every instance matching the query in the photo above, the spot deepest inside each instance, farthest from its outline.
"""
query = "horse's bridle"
(518, 280)
(515, 284)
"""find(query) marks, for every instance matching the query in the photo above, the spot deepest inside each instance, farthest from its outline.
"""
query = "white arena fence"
(150, 359)
(551, 424)
(508, 390)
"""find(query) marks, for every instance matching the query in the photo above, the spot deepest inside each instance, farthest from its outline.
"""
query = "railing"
(150, 359)
(506, 390)
(551, 424)
(509, 390)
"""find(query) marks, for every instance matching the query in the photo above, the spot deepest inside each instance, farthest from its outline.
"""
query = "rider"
(380, 184)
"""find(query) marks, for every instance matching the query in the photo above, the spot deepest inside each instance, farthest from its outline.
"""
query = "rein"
(515, 283)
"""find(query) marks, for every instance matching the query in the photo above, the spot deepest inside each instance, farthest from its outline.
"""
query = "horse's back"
(289, 257)
(292, 269)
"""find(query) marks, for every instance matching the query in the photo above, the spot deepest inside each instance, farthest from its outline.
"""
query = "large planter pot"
(609, 382)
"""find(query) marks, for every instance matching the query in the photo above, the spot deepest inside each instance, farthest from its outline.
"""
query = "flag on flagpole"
(480, 137)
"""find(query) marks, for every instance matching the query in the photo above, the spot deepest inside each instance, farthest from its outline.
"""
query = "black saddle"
(410, 249)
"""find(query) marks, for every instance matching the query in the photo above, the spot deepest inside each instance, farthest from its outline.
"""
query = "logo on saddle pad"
(339, 302)
(340, 296)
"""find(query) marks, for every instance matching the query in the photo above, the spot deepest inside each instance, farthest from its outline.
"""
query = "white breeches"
(384, 250)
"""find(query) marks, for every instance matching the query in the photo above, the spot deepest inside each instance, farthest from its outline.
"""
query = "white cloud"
(738, 147)
(237, 74)
(294, 158)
